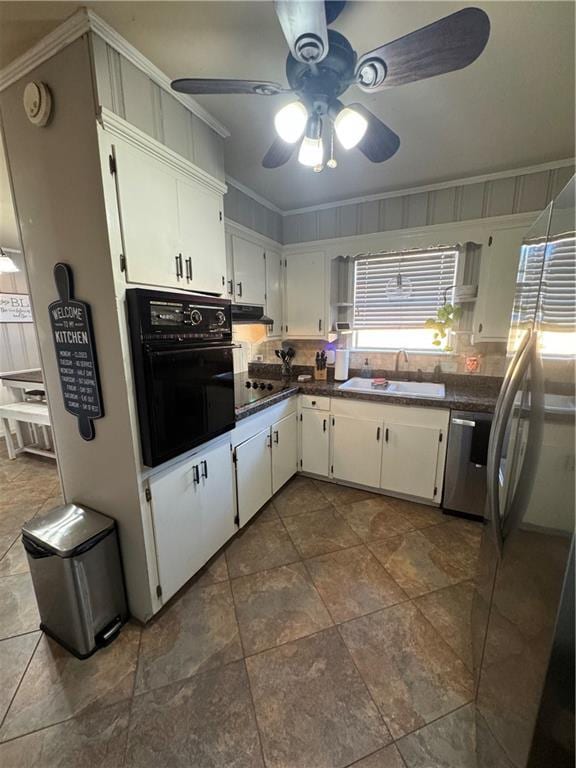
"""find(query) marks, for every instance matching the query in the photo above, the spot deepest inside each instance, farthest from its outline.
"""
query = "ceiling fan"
(322, 65)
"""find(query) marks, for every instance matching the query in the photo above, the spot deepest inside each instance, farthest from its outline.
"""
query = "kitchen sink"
(398, 388)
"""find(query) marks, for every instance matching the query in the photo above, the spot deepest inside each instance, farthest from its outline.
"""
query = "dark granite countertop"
(463, 393)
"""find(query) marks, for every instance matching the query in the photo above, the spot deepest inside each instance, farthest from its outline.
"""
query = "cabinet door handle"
(268, 441)
(239, 289)
(319, 325)
(378, 434)
(195, 474)
(313, 402)
(204, 465)
(276, 436)
(386, 435)
(179, 270)
(230, 287)
(189, 268)
(324, 426)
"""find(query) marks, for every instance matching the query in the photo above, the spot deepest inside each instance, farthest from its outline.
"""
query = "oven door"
(190, 399)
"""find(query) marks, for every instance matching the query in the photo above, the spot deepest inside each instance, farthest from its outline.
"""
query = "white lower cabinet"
(315, 442)
(193, 515)
(356, 450)
(396, 448)
(284, 451)
(410, 460)
(253, 475)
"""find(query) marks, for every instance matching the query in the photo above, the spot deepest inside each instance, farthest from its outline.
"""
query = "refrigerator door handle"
(509, 371)
(506, 400)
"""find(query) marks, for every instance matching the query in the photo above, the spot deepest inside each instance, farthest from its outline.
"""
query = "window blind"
(546, 286)
(401, 289)
(558, 294)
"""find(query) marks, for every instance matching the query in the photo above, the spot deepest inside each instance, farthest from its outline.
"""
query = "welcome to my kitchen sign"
(74, 344)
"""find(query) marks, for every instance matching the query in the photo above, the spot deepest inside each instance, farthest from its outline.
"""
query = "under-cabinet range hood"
(250, 313)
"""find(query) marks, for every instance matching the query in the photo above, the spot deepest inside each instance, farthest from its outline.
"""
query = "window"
(396, 292)
(547, 286)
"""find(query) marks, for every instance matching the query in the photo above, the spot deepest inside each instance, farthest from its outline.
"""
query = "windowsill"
(394, 350)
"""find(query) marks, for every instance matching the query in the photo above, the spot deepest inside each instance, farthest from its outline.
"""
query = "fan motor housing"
(328, 78)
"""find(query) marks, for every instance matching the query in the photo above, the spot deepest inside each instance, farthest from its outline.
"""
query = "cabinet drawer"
(318, 403)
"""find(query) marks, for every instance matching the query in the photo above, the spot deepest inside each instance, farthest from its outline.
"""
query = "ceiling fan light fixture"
(7, 264)
(350, 127)
(290, 121)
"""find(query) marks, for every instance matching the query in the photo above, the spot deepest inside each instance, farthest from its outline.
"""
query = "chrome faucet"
(404, 354)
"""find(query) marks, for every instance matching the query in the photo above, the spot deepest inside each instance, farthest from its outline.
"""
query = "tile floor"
(333, 631)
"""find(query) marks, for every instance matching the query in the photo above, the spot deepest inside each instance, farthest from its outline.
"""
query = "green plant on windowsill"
(443, 323)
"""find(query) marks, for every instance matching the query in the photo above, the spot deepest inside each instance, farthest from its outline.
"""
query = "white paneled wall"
(18, 345)
(516, 193)
(131, 94)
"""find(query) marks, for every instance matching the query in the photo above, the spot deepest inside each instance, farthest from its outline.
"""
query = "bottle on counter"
(366, 371)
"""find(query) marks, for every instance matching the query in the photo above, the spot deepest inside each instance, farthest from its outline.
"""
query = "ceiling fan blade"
(200, 85)
(333, 9)
(304, 25)
(278, 154)
(379, 142)
(448, 44)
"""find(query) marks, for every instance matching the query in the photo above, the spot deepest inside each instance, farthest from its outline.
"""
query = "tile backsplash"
(491, 356)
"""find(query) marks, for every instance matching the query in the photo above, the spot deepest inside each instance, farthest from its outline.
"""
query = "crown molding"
(254, 195)
(85, 20)
(512, 173)
(235, 228)
(117, 126)
(64, 34)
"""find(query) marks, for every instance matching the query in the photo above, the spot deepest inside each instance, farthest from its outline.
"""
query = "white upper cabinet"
(305, 314)
(410, 460)
(356, 450)
(497, 285)
(284, 451)
(172, 226)
(148, 204)
(202, 243)
(249, 272)
(274, 291)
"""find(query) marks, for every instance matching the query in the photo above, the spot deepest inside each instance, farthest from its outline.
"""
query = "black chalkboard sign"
(74, 343)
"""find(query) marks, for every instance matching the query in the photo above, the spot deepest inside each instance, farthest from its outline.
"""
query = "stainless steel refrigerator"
(523, 611)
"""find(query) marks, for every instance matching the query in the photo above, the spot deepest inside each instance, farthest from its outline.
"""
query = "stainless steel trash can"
(75, 566)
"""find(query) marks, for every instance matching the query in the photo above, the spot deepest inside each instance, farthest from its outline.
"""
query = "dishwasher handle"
(464, 422)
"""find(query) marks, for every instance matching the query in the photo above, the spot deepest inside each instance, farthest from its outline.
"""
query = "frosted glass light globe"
(350, 127)
(290, 121)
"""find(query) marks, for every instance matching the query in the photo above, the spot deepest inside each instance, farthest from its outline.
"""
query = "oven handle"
(182, 350)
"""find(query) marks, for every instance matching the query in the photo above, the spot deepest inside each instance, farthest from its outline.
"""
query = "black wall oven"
(182, 357)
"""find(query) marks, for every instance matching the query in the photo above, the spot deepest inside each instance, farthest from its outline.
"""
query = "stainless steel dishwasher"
(465, 474)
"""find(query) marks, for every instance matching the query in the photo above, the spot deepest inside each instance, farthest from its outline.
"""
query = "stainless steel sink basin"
(398, 388)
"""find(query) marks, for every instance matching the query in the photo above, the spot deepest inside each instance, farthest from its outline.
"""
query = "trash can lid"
(65, 528)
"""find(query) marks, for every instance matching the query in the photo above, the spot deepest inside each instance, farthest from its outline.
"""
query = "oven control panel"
(168, 316)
